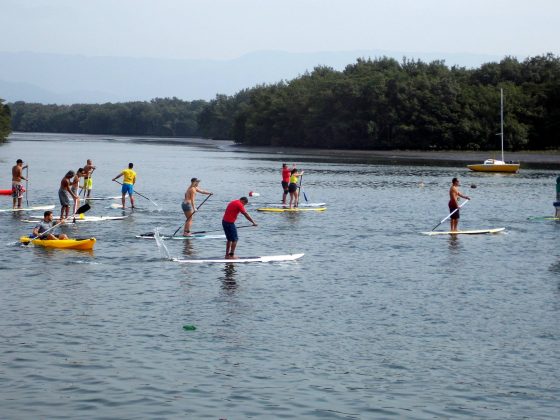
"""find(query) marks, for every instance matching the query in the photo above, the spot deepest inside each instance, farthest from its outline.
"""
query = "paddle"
(451, 214)
(300, 181)
(81, 210)
(189, 218)
(141, 195)
(27, 185)
(200, 232)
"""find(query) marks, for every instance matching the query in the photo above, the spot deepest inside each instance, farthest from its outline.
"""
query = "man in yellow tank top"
(128, 184)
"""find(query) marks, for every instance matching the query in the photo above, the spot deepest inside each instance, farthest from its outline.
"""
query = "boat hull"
(507, 168)
(80, 244)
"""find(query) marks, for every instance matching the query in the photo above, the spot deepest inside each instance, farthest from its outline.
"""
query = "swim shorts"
(17, 190)
(186, 206)
(230, 230)
(285, 186)
(63, 197)
(292, 187)
(88, 183)
(127, 188)
(452, 207)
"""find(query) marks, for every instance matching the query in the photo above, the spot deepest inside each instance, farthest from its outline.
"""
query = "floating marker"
(189, 327)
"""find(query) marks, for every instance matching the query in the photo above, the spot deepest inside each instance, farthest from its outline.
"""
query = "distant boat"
(494, 165)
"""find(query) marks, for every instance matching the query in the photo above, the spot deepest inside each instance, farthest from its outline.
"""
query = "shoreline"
(534, 157)
(551, 157)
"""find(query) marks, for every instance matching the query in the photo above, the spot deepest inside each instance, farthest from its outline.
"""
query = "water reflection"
(229, 284)
(188, 250)
(454, 244)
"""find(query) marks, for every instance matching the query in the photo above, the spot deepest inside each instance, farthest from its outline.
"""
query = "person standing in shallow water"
(454, 195)
(188, 205)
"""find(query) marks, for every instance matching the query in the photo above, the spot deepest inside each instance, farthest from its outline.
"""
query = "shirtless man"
(188, 205)
(17, 188)
(88, 180)
(75, 185)
(454, 195)
(64, 194)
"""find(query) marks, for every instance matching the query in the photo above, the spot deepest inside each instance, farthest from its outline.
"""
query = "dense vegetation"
(5, 128)
(159, 117)
(371, 104)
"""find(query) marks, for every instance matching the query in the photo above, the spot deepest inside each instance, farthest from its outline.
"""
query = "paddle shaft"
(27, 185)
(189, 218)
(141, 195)
(216, 230)
(300, 181)
(451, 214)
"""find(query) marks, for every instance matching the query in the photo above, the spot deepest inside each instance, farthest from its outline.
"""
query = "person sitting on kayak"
(228, 223)
(46, 225)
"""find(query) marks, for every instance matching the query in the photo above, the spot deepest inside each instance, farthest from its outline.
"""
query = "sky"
(227, 29)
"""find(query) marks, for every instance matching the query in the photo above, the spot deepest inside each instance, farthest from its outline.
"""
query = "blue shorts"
(127, 188)
(230, 230)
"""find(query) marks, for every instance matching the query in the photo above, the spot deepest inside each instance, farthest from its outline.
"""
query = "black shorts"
(455, 215)
(292, 187)
(285, 186)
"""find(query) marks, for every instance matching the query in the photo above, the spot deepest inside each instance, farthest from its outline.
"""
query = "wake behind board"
(543, 218)
(80, 219)
(150, 235)
(268, 258)
(466, 232)
(288, 210)
(49, 207)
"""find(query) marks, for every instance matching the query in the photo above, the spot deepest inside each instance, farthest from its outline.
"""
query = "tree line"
(371, 104)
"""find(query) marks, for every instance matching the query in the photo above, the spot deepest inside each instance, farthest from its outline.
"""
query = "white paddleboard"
(81, 220)
(268, 258)
(466, 232)
(49, 207)
(182, 238)
(116, 197)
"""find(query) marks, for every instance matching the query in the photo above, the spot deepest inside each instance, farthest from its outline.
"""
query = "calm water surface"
(376, 320)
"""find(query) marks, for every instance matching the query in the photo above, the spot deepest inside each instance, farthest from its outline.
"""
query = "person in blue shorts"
(128, 184)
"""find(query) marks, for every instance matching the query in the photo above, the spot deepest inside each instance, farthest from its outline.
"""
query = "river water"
(375, 321)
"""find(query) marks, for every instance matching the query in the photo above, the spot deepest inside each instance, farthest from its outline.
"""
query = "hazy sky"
(224, 29)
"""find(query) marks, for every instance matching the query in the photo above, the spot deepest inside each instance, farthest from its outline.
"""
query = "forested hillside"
(371, 104)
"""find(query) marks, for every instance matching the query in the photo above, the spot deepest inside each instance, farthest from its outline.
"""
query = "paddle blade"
(83, 209)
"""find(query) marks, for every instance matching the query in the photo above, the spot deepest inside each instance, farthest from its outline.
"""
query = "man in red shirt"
(285, 181)
(228, 222)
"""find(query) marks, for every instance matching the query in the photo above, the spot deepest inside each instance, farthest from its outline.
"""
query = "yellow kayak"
(296, 209)
(82, 244)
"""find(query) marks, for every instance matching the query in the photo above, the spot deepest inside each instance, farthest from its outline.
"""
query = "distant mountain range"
(67, 79)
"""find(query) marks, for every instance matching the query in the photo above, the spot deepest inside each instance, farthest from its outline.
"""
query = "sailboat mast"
(502, 121)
